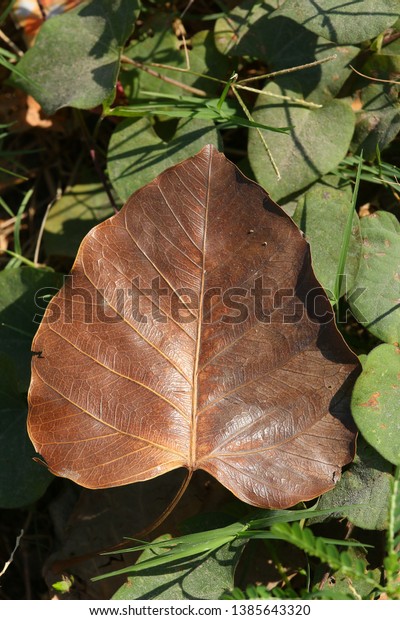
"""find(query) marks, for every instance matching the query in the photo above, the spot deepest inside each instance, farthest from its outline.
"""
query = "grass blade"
(346, 238)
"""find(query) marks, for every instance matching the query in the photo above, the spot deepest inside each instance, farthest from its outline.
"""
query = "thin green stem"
(13, 174)
(125, 59)
(228, 85)
(16, 329)
(21, 259)
(266, 93)
(249, 116)
(17, 227)
(346, 239)
(6, 207)
(289, 70)
(393, 531)
(6, 11)
(378, 159)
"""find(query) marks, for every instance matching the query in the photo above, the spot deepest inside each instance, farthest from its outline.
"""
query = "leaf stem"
(17, 227)
(164, 78)
(171, 506)
(372, 78)
(289, 70)
(267, 93)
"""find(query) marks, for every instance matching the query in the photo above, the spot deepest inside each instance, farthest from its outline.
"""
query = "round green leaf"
(22, 481)
(343, 22)
(375, 297)
(75, 60)
(137, 154)
(375, 401)
(322, 215)
(317, 142)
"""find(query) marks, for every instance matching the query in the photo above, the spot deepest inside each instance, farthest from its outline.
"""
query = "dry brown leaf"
(193, 333)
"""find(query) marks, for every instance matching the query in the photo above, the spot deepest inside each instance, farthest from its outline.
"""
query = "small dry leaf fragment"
(29, 14)
(181, 340)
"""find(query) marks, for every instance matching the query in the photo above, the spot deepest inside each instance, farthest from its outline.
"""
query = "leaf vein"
(112, 370)
(150, 443)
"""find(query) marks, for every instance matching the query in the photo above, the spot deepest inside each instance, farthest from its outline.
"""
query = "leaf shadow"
(326, 14)
(115, 24)
(319, 311)
(108, 42)
(382, 316)
(148, 155)
(283, 43)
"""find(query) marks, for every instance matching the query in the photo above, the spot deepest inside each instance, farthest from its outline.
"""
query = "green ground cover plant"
(303, 97)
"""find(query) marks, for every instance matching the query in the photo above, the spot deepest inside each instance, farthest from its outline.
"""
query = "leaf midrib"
(193, 434)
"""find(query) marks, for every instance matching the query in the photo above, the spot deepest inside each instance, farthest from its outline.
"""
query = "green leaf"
(199, 544)
(343, 22)
(282, 43)
(22, 481)
(316, 143)
(137, 154)
(71, 218)
(322, 214)
(375, 297)
(363, 490)
(159, 44)
(65, 585)
(375, 401)
(201, 579)
(21, 308)
(75, 60)
(378, 122)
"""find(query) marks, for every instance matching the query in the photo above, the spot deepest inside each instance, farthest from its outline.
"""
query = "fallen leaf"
(181, 340)
(22, 112)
